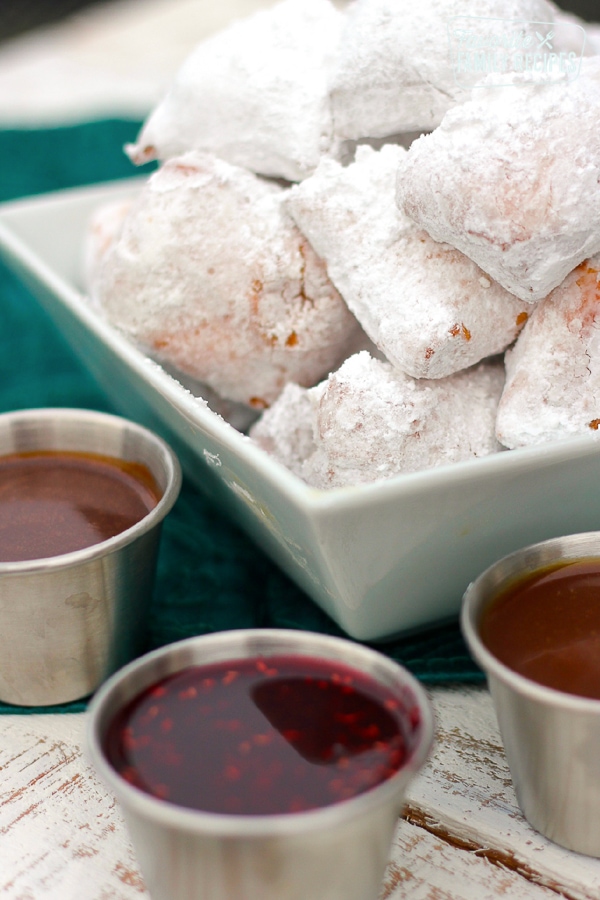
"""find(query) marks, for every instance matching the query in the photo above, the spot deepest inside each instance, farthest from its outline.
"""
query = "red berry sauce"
(269, 735)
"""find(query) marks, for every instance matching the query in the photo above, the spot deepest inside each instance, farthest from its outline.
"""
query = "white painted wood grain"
(61, 835)
(63, 838)
(425, 867)
(466, 791)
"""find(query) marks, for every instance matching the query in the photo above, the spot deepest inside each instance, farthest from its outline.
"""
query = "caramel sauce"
(54, 502)
(547, 627)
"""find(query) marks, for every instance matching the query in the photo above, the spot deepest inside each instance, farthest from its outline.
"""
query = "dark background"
(17, 16)
(587, 9)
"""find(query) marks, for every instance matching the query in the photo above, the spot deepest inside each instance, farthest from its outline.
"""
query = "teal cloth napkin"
(210, 576)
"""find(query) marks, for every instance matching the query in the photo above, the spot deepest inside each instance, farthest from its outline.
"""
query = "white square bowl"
(380, 559)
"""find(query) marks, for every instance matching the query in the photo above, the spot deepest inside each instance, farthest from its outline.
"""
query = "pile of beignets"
(386, 303)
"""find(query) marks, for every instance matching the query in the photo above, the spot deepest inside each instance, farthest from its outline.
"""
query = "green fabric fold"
(210, 575)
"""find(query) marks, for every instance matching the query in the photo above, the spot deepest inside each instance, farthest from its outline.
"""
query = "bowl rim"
(476, 598)
(297, 642)
(111, 421)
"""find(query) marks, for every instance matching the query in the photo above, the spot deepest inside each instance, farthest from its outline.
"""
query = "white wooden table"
(462, 837)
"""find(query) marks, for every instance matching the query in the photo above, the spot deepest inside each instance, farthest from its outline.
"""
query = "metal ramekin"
(338, 852)
(551, 738)
(69, 621)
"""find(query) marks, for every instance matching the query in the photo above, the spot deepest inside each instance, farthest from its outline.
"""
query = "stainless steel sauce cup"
(551, 738)
(69, 621)
(338, 852)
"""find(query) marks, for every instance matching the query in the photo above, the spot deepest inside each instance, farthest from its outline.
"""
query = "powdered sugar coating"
(255, 94)
(370, 421)
(210, 274)
(511, 179)
(104, 227)
(286, 429)
(394, 71)
(374, 421)
(428, 307)
(553, 372)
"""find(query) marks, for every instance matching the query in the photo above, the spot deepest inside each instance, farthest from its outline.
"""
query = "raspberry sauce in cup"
(260, 736)
(261, 763)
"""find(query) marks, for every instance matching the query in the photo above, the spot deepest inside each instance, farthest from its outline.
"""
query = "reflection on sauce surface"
(260, 736)
(547, 627)
(54, 502)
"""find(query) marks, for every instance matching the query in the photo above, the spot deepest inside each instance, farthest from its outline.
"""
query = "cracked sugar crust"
(394, 72)
(553, 372)
(511, 180)
(254, 94)
(373, 421)
(429, 309)
(210, 275)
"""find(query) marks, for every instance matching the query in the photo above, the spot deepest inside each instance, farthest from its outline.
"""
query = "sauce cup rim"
(479, 595)
(105, 547)
(254, 826)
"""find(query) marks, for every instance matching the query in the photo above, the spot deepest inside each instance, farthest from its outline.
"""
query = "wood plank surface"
(62, 836)
(464, 797)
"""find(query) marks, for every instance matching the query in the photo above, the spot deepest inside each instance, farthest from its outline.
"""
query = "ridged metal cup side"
(338, 852)
(67, 622)
(551, 738)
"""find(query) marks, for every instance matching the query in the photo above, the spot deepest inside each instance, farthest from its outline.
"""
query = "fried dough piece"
(511, 179)
(429, 308)
(394, 70)
(553, 372)
(210, 275)
(369, 421)
(254, 94)
(374, 421)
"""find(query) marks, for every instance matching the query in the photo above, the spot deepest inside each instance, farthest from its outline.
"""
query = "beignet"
(255, 94)
(394, 69)
(510, 178)
(371, 421)
(553, 372)
(210, 274)
(429, 308)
